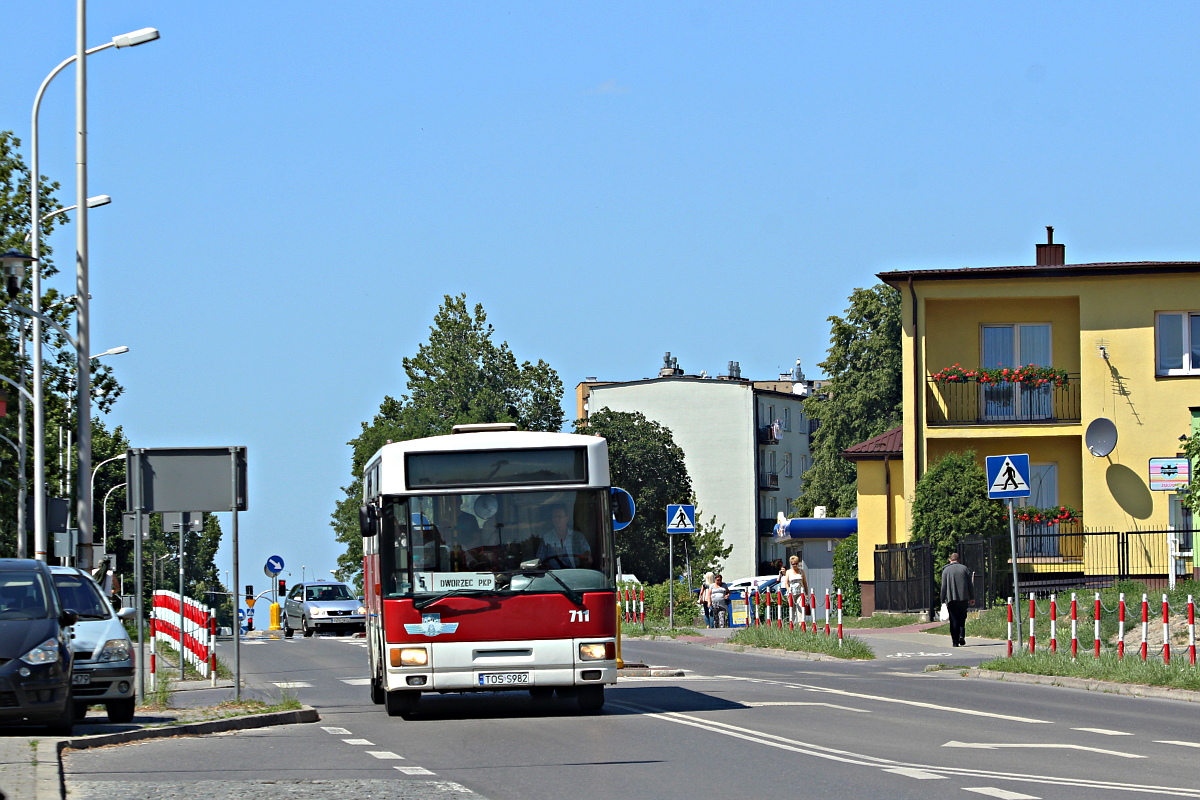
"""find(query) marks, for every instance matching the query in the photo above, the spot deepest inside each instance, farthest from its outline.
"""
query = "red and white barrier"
(1191, 631)
(826, 612)
(1032, 619)
(1121, 629)
(1145, 623)
(1009, 605)
(1074, 628)
(199, 641)
(839, 610)
(1053, 624)
(1166, 631)
(1096, 626)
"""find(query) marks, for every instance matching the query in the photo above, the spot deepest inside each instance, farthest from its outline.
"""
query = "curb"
(1087, 684)
(52, 786)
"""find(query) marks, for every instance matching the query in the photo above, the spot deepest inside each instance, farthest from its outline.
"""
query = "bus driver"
(563, 547)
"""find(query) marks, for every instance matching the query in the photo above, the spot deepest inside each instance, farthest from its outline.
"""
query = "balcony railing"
(768, 481)
(972, 403)
(767, 435)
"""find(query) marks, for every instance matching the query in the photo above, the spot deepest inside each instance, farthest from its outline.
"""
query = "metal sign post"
(680, 519)
(1008, 478)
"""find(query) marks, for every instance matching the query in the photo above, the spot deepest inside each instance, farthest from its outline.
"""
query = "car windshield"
(22, 596)
(501, 542)
(79, 594)
(327, 594)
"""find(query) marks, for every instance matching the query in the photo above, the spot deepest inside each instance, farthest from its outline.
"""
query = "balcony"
(768, 482)
(970, 403)
(768, 434)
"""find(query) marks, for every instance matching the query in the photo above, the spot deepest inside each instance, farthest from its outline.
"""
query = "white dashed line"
(385, 755)
(1102, 731)
(358, 741)
(826, 705)
(294, 685)
(1181, 744)
(415, 771)
(356, 681)
(1003, 794)
(919, 774)
(337, 731)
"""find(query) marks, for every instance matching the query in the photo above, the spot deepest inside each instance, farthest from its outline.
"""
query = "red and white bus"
(488, 565)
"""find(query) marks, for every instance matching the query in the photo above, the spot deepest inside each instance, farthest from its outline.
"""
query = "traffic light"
(282, 588)
(249, 595)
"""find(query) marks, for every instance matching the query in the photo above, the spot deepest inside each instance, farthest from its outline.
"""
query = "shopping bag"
(944, 614)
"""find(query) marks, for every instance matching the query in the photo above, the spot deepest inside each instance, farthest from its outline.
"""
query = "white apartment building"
(745, 444)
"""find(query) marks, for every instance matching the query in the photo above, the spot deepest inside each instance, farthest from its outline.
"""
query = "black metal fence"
(971, 403)
(1049, 559)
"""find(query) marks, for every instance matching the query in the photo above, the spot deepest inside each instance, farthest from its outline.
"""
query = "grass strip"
(805, 642)
(631, 630)
(1179, 675)
(874, 621)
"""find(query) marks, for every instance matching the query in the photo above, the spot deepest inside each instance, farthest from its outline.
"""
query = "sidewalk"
(29, 765)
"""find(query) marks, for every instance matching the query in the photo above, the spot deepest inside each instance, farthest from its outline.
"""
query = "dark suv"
(35, 651)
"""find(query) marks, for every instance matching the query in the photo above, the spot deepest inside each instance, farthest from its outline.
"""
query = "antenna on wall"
(1102, 349)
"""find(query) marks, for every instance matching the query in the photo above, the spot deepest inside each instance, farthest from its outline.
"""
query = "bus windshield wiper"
(421, 605)
(575, 595)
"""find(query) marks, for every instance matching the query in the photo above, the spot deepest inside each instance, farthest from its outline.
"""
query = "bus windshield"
(549, 541)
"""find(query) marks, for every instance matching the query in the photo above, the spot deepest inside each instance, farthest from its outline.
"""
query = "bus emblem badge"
(431, 625)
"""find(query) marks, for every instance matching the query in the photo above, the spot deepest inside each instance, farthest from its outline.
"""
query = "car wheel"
(80, 710)
(120, 711)
(287, 629)
(401, 704)
(307, 631)
(377, 692)
(590, 699)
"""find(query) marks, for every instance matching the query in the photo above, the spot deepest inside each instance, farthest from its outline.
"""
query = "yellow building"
(1123, 340)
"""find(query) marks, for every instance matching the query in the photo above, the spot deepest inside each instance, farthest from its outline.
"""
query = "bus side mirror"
(622, 507)
(367, 516)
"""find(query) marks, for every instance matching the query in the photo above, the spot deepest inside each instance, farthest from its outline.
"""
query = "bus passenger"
(563, 547)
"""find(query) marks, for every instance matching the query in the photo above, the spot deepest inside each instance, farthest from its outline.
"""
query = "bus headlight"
(410, 657)
(597, 651)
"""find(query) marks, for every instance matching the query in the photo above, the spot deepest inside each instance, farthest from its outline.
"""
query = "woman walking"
(795, 581)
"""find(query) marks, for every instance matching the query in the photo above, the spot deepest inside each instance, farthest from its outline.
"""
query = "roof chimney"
(1051, 254)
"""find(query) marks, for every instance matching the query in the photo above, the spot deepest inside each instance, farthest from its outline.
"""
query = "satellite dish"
(1101, 436)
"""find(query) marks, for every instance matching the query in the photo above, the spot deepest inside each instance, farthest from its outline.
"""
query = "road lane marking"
(918, 655)
(294, 685)
(1003, 794)
(386, 755)
(1038, 746)
(337, 731)
(356, 681)
(918, 774)
(415, 771)
(1181, 744)
(1102, 731)
(760, 738)
(915, 703)
(358, 741)
(798, 703)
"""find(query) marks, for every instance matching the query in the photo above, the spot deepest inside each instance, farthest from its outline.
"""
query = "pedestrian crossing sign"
(681, 519)
(1008, 476)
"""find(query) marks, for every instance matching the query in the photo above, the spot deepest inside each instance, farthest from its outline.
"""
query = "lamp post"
(39, 451)
(104, 505)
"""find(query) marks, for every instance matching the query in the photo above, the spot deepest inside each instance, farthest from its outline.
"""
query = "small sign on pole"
(1169, 474)
(1007, 478)
(681, 519)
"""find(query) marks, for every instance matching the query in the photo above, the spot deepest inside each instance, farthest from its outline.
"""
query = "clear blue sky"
(296, 185)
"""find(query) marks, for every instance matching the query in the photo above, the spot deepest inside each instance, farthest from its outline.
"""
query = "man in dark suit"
(958, 591)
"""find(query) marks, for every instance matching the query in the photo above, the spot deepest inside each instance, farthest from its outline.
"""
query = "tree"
(845, 574)
(459, 376)
(707, 545)
(644, 460)
(861, 400)
(950, 503)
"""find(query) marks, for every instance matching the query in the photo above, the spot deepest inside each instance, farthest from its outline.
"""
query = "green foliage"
(644, 460)
(706, 547)
(1191, 498)
(862, 399)
(1179, 674)
(802, 641)
(459, 376)
(686, 608)
(845, 575)
(950, 503)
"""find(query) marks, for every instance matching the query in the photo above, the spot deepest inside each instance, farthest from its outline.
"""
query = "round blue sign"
(274, 565)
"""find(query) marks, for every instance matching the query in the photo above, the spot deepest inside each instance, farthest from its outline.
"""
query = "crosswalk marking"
(293, 685)
(415, 771)
(358, 741)
(1102, 731)
(356, 681)
(1003, 794)
(386, 755)
(796, 703)
(919, 774)
(1181, 744)
(337, 731)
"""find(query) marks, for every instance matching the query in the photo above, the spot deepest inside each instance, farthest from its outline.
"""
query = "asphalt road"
(740, 724)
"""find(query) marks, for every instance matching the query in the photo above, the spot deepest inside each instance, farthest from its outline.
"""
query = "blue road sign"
(241, 614)
(681, 519)
(1008, 476)
(275, 565)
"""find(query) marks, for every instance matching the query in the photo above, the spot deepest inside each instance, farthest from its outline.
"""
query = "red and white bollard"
(839, 622)
(1096, 628)
(1145, 623)
(1121, 628)
(1166, 631)
(1053, 623)
(1032, 619)
(642, 605)
(1010, 627)
(1074, 628)
(826, 612)
(754, 596)
(792, 614)
(779, 607)
(1191, 631)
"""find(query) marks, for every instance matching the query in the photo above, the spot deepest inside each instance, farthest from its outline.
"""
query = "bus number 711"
(580, 615)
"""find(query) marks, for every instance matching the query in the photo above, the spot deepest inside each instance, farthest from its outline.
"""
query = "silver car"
(322, 606)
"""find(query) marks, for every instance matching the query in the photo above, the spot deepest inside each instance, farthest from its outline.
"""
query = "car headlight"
(44, 653)
(362, 611)
(410, 657)
(318, 612)
(597, 651)
(115, 650)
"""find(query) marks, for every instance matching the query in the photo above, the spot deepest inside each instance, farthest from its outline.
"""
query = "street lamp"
(105, 507)
(93, 202)
(41, 542)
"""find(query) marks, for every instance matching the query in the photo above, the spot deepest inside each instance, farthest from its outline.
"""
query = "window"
(787, 418)
(1016, 346)
(771, 463)
(1040, 539)
(787, 465)
(1177, 341)
(770, 507)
